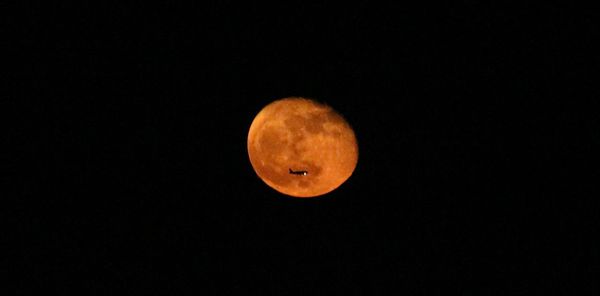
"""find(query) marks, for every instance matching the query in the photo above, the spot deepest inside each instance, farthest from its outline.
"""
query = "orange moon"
(302, 148)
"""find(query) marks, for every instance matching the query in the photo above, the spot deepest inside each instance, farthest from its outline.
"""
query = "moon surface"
(300, 134)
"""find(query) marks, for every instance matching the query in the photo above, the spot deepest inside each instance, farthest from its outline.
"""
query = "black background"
(130, 168)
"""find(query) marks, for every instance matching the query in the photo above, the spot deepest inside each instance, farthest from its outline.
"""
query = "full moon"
(302, 148)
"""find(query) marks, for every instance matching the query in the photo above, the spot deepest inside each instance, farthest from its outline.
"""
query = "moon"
(302, 148)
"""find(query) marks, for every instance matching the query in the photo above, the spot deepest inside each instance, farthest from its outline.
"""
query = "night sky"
(129, 168)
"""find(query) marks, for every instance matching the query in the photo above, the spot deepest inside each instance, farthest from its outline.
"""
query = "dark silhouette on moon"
(301, 173)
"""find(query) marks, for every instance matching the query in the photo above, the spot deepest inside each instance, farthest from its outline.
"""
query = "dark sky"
(130, 168)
